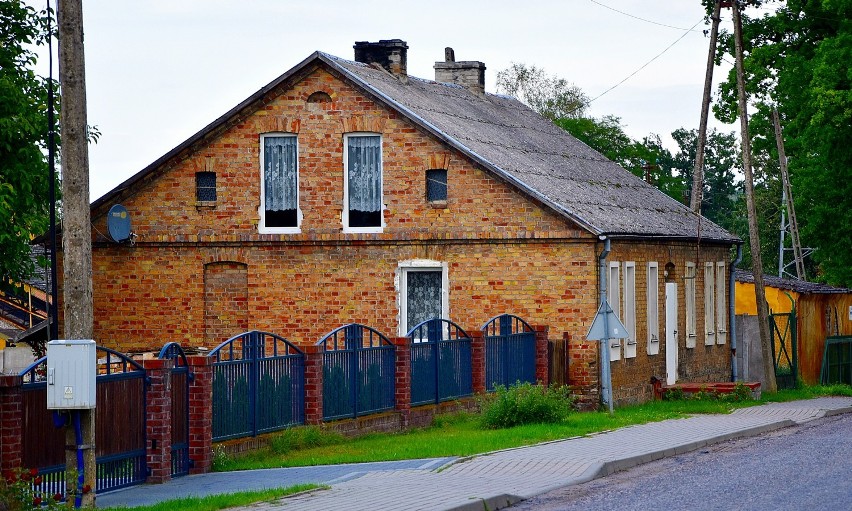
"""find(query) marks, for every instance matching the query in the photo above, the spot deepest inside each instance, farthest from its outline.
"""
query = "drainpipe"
(606, 376)
(732, 296)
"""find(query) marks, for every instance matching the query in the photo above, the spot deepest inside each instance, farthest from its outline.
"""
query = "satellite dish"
(118, 223)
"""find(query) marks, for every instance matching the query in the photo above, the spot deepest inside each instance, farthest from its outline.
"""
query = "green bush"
(524, 403)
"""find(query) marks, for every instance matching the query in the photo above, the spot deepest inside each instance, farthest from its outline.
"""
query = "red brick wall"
(225, 301)
(504, 252)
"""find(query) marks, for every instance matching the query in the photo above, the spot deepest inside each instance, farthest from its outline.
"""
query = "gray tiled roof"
(512, 140)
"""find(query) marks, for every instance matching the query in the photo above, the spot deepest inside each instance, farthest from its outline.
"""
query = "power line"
(647, 63)
(643, 19)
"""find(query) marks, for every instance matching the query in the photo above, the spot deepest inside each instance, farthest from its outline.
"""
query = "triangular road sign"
(606, 325)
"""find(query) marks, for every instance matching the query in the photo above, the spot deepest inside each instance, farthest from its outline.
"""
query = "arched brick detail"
(225, 301)
(361, 122)
(278, 123)
(438, 161)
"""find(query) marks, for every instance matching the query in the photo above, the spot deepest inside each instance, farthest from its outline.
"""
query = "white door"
(671, 333)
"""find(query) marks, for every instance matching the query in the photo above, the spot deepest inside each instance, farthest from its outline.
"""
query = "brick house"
(347, 191)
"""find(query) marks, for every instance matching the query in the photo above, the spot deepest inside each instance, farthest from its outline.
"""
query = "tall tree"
(551, 96)
(799, 58)
(24, 176)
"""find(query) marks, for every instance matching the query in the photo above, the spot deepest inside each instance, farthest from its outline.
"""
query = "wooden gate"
(180, 380)
(119, 425)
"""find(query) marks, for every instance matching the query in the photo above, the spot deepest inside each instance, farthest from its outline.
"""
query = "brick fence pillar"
(402, 379)
(313, 384)
(542, 366)
(584, 370)
(200, 414)
(159, 419)
(477, 360)
(11, 422)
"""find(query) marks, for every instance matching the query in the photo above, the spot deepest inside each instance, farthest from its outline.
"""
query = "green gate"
(837, 361)
(782, 327)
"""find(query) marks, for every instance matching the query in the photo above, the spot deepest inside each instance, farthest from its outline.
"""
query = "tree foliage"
(24, 176)
(551, 96)
(799, 59)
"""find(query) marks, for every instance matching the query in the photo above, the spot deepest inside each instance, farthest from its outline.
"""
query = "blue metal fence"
(441, 364)
(258, 385)
(121, 398)
(359, 369)
(509, 351)
(180, 380)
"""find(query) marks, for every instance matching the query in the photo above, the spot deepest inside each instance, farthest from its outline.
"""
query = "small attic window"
(319, 97)
(205, 186)
(436, 185)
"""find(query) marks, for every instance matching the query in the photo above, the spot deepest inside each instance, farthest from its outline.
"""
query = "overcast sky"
(158, 71)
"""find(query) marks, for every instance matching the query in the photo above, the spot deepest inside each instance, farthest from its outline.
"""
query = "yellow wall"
(776, 298)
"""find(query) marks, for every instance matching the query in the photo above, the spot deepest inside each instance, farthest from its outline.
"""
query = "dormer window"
(279, 210)
(362, 192)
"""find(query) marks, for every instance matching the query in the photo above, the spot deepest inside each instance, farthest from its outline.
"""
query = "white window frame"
(689, 292)
(401, 284)
(721, 303)
(630, 308)
(613, 295)
(345, 214)
(709, 304)
(261, 226)
(653, 308)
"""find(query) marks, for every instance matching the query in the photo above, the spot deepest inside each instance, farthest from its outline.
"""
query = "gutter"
(732, 297)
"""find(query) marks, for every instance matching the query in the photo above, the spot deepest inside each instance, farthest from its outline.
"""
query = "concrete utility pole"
(698, 172)
(76, 221)
(754, 235)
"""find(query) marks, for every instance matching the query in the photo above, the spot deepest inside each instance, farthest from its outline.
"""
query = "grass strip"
(223, 501)
(462, 434)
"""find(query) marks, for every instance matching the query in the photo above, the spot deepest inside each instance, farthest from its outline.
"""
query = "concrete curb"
(838, 411)
(488, 504)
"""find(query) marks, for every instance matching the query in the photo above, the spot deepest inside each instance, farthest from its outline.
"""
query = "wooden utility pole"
(76, 223)
(788, 196)
(698, 172)
(754, 235)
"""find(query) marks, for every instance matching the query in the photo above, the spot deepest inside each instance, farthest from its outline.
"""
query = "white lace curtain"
(365, 173)
(279, 170)
(424, 296)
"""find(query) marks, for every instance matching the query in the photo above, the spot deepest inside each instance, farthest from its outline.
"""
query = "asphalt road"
(804, 467)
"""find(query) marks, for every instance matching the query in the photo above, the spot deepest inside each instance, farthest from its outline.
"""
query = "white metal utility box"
(72, 367)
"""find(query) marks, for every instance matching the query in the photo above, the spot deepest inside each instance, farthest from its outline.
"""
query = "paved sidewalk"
(498, 479)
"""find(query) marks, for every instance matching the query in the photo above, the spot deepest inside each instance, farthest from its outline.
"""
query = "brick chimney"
(391, 54)
(469, 74)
